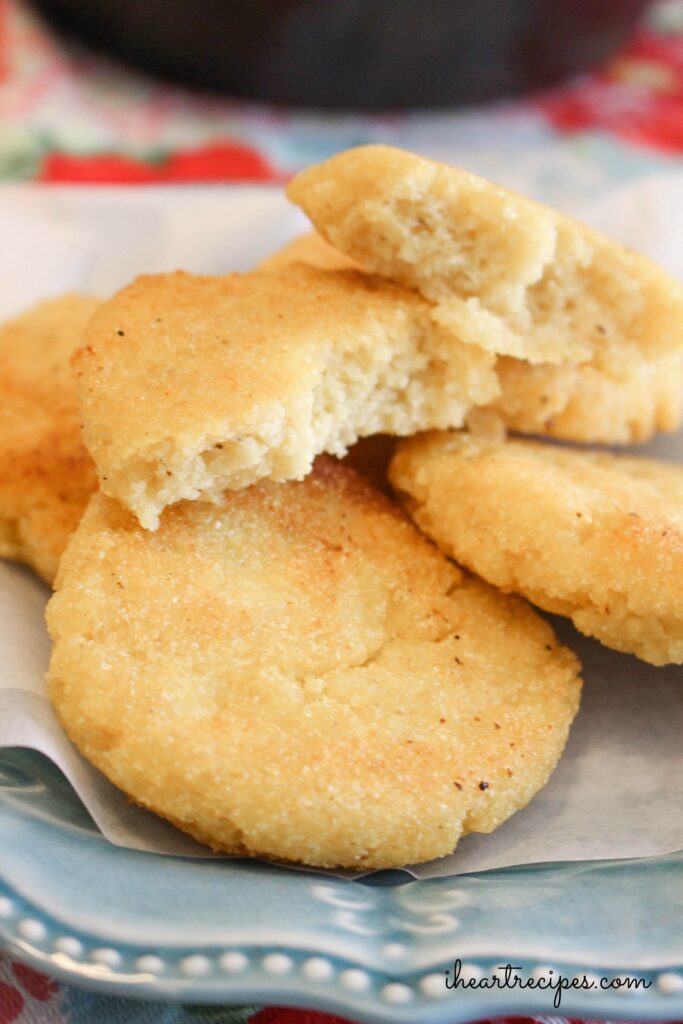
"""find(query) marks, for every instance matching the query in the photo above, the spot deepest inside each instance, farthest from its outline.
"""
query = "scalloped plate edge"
(305, 978)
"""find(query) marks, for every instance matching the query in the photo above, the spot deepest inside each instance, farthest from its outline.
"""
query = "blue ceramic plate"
(140, 924)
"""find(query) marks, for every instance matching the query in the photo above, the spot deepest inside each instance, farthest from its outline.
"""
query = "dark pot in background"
(364, 54)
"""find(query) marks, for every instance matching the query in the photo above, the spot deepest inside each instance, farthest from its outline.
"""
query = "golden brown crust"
(46, 475)
(299, 674)
(189, 385)
(591, 535)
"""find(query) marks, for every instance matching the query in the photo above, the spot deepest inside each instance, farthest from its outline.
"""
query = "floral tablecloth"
(67, 116)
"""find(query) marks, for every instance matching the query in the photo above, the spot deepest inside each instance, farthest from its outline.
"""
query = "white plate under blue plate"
(141, 924)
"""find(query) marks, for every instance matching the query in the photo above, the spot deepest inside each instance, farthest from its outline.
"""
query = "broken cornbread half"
(508, 273)
(189, 385)
(589, 334)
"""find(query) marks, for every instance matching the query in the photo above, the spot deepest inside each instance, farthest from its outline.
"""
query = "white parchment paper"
(618, 791)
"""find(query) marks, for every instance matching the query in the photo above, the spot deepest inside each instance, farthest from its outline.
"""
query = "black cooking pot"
(355, 53)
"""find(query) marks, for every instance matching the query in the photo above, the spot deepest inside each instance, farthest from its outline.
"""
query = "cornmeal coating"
(46, 475)
(591, 535)
(190, 385)
(620, 396)
(299, 674)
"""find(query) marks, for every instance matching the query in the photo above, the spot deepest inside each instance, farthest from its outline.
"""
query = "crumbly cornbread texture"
(190, 385)
(46, 475)
(299, 674)
(515, 276)
(619, 396)
(591, 535)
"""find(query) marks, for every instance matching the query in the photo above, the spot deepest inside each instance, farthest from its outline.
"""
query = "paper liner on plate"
(618, 790)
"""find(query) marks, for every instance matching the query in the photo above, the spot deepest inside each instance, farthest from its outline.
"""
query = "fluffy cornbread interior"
(621, 395)
(506, 272)
(299, 674)
(190, 385)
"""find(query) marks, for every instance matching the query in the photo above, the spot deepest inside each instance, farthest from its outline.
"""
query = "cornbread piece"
(506, 273)
(299, 674)
(46, 475)
(595, 536)
(190, 385)
(621, 395)
(312, 249)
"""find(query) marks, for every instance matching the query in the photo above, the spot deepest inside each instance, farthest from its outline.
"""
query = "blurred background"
(578, 92)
